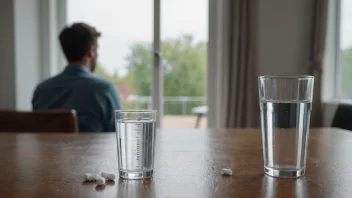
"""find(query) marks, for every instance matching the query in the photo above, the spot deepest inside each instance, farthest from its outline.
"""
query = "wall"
(7, 56)
(19, 52)
(283, 36)
(27, 51)
(28, 48)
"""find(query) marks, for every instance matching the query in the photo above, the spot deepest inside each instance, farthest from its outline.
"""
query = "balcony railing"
(180, 105)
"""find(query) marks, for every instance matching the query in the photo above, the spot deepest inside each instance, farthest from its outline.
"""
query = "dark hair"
(77, 39)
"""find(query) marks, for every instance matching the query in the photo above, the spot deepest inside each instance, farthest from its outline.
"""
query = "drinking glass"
(285, 104)
(135, 134)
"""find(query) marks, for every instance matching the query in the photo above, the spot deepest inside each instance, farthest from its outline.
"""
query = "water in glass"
(135, 147)
(285, 126)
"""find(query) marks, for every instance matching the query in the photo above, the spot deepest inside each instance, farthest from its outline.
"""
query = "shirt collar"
(76, 69)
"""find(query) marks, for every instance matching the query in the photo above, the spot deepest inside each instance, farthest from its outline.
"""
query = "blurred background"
(197, 51)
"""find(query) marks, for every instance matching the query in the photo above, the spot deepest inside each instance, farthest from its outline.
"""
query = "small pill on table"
(226, 171)
(108, 176)
(100, 181)
(90, 177)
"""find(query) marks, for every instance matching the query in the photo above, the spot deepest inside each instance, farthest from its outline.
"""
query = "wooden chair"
(39, 121)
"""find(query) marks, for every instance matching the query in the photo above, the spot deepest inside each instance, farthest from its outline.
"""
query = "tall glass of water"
(285, 104)
(135, 133)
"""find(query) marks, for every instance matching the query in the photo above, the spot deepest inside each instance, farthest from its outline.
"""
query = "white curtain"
(318, 38)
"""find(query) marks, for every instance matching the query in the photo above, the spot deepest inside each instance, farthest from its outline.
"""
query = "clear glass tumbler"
(135, 133)
(285, 104)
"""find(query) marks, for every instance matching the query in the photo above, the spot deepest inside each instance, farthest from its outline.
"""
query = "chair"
(39, 121)
(343, 117)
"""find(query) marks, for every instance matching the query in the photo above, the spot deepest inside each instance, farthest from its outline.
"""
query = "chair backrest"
(343, 117)
(39, 121)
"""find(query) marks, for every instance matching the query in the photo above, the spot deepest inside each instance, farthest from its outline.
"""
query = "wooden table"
(188, 164)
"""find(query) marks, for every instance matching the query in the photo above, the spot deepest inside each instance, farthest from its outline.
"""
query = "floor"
(179, 121)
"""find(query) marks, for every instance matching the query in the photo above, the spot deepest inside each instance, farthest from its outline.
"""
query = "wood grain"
(188, 164)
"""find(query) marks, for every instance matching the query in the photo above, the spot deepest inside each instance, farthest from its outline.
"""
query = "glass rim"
(136, 111)
(296, 77)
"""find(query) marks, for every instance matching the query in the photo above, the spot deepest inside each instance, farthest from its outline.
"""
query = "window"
(343, 49)
(184, 37)
(126, 53)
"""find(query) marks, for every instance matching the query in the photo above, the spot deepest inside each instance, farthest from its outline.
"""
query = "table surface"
(188, 164)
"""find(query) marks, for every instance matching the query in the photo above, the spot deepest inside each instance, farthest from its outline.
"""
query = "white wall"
(19, 52)
(28, 48)
(283, 36)
(27, 51)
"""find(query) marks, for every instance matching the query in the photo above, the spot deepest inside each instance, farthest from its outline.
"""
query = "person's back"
(76, 87)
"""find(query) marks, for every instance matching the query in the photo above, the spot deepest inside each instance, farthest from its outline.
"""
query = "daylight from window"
(125, 53)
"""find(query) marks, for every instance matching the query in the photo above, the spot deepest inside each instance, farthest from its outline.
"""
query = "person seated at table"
(76, 87)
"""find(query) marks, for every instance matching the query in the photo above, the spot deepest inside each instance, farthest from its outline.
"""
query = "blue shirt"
(93, 98)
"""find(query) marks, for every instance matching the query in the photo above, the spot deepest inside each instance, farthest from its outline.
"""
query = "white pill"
(226, 171)
(108, 176)
(90, 177)
(100, 180)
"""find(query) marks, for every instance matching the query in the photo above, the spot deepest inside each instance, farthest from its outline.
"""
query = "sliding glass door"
(154, 51)
(184, 36)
